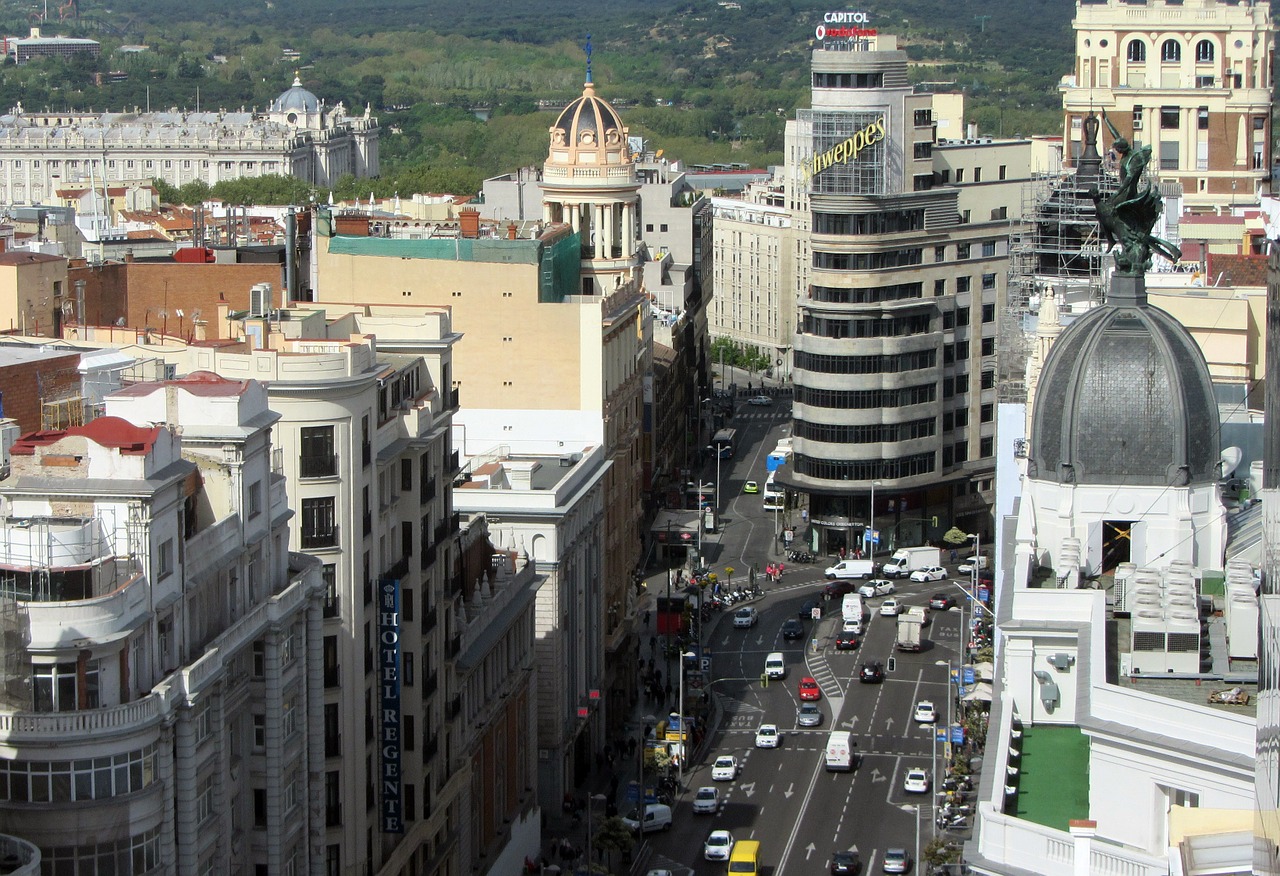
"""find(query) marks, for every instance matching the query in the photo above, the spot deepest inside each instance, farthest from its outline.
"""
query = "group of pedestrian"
(773, 571)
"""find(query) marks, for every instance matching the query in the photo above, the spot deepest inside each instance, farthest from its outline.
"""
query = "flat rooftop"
(1053, 787)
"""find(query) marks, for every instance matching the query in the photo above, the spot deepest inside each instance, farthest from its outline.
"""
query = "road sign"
(940, 734)
(957, 734)
(706, 664)
(968, 675)
(984, 594)
(815, 613)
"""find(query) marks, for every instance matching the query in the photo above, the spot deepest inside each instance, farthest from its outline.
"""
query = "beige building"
(33, 289)
(1192, 80)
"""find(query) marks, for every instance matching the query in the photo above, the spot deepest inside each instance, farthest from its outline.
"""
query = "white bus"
(774, 495)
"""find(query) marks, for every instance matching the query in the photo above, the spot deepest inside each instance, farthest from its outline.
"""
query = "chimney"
(972, 132)
(512, 230)
(128, 256)
(469, 222)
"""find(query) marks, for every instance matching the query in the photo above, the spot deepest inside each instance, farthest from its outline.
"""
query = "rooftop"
(1053, 787)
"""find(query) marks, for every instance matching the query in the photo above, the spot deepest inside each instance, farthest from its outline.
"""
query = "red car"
(809, 689)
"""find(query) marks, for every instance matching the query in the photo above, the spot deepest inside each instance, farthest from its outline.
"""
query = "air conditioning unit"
(259, 300)
(1137, 124)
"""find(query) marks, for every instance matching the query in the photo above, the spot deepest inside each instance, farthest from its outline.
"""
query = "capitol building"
(298, 135)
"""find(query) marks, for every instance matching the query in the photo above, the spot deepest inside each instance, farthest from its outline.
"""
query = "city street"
(784, 797)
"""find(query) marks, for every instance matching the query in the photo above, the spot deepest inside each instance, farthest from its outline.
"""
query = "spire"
(588, 59)
(297, 79)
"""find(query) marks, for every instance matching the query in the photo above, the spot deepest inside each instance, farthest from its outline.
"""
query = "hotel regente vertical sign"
(392, 817)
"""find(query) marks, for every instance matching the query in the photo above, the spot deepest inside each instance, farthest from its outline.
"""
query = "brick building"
(33, 288)
(30, 377)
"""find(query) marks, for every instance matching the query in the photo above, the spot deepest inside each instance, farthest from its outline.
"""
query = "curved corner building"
(899, 279)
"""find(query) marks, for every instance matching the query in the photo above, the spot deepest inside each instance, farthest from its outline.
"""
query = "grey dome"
(1125, 398)
(297, 99)
(588, 113)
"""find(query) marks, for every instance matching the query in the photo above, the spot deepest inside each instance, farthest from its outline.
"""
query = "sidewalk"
(610, 776)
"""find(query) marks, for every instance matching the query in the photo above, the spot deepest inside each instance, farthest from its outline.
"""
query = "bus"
(725, 443)
(774, 495)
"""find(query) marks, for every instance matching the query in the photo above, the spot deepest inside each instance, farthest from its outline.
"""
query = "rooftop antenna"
(588, 59)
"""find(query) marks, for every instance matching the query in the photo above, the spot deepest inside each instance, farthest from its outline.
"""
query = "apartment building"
(163, 686)
(1192, 80)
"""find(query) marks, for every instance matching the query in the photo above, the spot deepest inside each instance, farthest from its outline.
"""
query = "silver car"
(808, 715)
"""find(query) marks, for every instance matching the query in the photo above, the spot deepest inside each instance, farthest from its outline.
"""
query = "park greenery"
(705, 83)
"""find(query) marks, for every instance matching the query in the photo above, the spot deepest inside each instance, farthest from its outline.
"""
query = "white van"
(839, 756)
(657, 816)
(851, 608)
(775, 666)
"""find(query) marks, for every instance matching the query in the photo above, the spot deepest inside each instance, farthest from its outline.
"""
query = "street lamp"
(907, 807)
(871, 525)
(681, 730)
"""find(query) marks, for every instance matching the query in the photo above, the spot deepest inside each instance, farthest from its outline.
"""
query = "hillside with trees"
(708, 82)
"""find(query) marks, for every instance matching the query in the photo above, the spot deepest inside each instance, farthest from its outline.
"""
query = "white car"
(877, 587)
(929, 573)
(967, 567)
(706, 801)
(719, 846)
(745, 618)
(725, 769)
(890, 607)
(760, 400)
(916, 782)
(768, 736)
(926, 712)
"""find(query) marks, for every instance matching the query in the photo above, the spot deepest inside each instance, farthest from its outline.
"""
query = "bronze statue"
(1127, 215)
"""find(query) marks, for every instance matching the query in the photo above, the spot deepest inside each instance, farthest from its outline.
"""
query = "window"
(922, 150)
(259, 732)
(406, 670)
(1168, 118)
(962, 285)
(255, 499)
(289, 718)
(988, 282)
(332, 729)
(988, 413)
(1170, 52)
(1204, 52)
(977, 174)
(988, 248)
(959, 175)
(1136, 52)
(648, 226)
(1259, 123)
(259, 807)
(1169, 155)
(989, 312)
(987, 447)
(55, 687)
(962, 350)
(291, 796)
(988, 346)
(939, 287)
(662, 228)
(259, 659)
(962, 316)
(988, 379)
(1202, 118)
(331, 667)
(333, 814)
(318, 459)
(406, 475)
(332, 605)
(319, 522)
(204, 800)
(1204, 81)
(999, 213)
(1004, 171)
(962, 250)
(939, 254)
(1137, 117)
(164, 561)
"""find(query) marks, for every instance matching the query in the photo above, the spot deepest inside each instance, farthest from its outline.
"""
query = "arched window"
(1204, 52)
(1137, 51)
(1171, 51)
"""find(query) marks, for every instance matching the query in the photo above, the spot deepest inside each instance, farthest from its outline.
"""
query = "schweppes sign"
(846, 150)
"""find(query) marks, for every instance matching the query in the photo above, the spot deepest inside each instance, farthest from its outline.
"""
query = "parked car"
(706, 801)
(929, 573)
(808, 715)
(745, 617)
(725, 769)
(877, 587)
(718, 846)
(890, 607)
(845, 863)
(792, 629)
(926, 712)
(942, 601)
(768, 736)
(760, 400)
(750, 487)
(896, 861)
(872, 672)
(916, 781)
(809, 689)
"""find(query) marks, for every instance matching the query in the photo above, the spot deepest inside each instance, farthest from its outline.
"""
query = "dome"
(296, 99)
(1125, 398)
(588, 122)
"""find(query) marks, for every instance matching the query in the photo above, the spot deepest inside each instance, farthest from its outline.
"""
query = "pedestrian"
(651, 664)
(657, 676)
(841, 552)
(954, 555)
(653, 644)
(646, 618)
(668, 689)
(804, 515)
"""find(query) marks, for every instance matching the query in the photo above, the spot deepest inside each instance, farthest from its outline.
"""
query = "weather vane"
(588, 57)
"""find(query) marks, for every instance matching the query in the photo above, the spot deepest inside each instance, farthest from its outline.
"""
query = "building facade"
(298, 135)
(901, 257)
(163, 687)
(1191, 80)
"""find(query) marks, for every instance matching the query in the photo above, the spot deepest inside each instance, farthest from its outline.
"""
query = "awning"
(979, 693)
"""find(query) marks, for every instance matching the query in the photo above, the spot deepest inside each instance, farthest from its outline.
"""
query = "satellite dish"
(178, 313)
(1230, 459)
(120, 321)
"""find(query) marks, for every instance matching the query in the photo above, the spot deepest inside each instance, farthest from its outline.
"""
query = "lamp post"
(910, 807)
(680, 730)
(871, 524)
(592, 800)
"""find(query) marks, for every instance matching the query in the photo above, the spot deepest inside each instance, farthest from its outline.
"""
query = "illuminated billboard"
(843, 27)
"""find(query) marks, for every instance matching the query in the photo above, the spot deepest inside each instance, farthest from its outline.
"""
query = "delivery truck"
(839, 756)
(911, 628)
(851, 608)
(906, 560)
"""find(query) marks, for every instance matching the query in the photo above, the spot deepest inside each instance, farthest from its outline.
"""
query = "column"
(546, 212)
(628, 230)
(606, 230)
(164, 774)
(597, 225)
(315, 724)
(184, 789)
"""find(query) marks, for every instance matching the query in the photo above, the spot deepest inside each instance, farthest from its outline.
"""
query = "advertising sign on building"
(844, 26)
(392, 816)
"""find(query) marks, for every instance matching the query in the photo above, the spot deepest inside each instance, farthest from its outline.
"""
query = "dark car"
(806, 610)
(846, 641)
(872, 672)
(845, 864)
(942, 601)
(840, 588)
(792, 629)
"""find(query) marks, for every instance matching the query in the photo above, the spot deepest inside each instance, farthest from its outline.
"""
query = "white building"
(298, 135)
(162, 690)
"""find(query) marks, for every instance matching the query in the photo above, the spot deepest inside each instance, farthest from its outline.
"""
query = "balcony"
(67, 624)
(321, 539)
(398, 570)
(454, 708)
(431, 685)
(366, 454)
(323, 465)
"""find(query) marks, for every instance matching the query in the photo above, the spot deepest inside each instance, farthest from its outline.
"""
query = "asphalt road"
(785, 797)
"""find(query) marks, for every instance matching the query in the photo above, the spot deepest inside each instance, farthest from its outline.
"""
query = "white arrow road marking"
(809, 850)
(877, 777)
(787, 793)
(747, 788)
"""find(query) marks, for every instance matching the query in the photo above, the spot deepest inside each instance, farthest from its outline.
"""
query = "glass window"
(319, 522)
(1169, 118)
(317, 453)
(1204, 52)
(962, 250)
(1137, 51)
(1170, 51)
(1202, 118)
